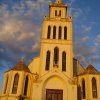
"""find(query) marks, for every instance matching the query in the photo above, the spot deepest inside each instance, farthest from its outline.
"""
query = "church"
(54, 74)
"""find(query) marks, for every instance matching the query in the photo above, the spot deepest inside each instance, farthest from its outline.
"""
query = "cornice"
(67, 19)
(56, 41)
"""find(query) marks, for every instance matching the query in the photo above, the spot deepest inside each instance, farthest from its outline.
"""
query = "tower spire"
(58, 1)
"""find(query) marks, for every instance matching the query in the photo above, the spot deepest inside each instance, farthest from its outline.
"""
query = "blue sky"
(20, 30)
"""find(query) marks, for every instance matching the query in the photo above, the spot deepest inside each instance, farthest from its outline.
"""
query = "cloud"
(86, 50)
(1, 50)
(70, 2)
(25, 36)
(97, 41)
(83, 51)
(86, 29)
(20, 30)
(77, 12)
(95, 58)
(36, 46)
(17, 26)
(85, 39)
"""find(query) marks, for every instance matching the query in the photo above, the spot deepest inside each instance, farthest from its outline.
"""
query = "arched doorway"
(55, 88)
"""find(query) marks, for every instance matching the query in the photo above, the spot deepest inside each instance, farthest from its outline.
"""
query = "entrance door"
(54, 94)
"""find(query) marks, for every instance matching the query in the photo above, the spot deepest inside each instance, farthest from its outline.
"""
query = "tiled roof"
(21, 66)
(90, 70)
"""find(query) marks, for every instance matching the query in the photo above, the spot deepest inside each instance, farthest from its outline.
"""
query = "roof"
(58, 5)
(90, 70)
(21, 66)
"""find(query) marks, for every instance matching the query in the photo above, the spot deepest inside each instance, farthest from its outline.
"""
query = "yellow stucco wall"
(54, 80)
(11, 74)
(88, 83)
(34, 65)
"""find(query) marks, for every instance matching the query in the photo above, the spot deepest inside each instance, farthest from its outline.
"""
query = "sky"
(21, 25)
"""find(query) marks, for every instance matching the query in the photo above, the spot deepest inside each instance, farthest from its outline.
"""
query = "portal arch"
(55, 82)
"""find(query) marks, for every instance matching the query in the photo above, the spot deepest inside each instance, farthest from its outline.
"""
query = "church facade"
(55, 74)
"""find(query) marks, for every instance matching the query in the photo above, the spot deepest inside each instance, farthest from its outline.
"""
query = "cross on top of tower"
(58, 1)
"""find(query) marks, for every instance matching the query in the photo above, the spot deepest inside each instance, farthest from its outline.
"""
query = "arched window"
(65, 32)
(54, 32)
(56, 55)
(55, 12)
(15, 84)
(83, 89)
(94, 88)
(5, 85)
(60, 32)
(60, 13)
(26, 85)
(49, 32)
(47, 60)
(64, 61)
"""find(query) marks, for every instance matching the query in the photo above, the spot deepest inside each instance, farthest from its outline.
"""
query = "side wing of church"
(54, 75)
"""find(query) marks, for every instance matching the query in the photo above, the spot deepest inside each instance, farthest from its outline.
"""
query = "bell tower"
(56, 44)
(58, 9)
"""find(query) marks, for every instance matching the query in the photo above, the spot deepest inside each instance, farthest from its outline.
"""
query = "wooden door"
(54, 94)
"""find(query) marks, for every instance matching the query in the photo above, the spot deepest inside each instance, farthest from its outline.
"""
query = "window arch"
(65, 32)
(54, 32)
(60, 13)
(49, 32)
(55, 12)
(26, 85)
(47, 60)
(6, 83)
(94, 88)
(56, 55)
(83, 89)
(64, 61)
(15, 84)
(60, 32)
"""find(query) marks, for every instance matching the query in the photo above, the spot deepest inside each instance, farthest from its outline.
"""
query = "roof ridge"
(91, 66)
(90, 70)
(21, 66)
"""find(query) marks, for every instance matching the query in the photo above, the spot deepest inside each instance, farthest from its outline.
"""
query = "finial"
(58, 1)
(22, 58)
